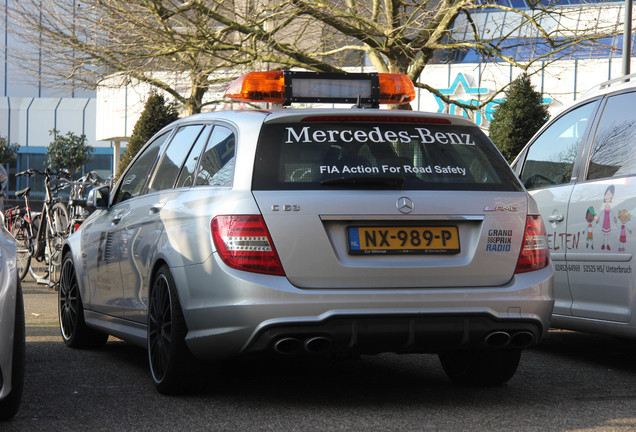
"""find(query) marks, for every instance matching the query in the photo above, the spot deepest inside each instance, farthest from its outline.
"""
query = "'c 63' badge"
(286, 207)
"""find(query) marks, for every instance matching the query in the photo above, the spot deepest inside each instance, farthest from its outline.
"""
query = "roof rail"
(620, 80)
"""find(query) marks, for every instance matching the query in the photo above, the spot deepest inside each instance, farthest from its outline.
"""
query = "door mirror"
(98, 198)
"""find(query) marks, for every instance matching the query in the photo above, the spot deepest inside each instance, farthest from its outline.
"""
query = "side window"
(614, 150)
(170, 164)
(186, 176)
(133, 183)
(217, 163)
(550, 158)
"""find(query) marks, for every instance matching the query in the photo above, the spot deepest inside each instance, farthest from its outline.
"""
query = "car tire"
(480, 366)
(169, 359)
(11, 403)
(75, 332)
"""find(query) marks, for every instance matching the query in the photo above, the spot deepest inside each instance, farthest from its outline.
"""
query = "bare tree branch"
(203, 41)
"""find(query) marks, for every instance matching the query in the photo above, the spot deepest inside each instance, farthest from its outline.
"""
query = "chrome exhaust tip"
(287, 345)
(522, 339)
(497, 339)
(317, 344)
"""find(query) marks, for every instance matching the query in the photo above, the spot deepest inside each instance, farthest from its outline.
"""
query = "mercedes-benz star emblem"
(404, 205)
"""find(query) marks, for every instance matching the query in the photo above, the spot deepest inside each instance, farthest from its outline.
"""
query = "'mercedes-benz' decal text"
(308, 134)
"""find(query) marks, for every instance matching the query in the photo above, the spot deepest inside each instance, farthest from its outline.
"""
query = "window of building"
(36, 182)
(100, 163)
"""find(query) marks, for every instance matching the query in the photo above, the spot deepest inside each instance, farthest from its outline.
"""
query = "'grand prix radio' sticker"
(499, 240)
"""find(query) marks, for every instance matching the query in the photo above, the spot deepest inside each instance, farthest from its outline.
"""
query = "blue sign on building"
(481, 116)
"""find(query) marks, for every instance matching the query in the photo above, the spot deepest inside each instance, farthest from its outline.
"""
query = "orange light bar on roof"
(286, 87)
(266, 86)
(396, 89)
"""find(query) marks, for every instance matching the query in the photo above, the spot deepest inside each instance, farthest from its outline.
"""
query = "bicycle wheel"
(39, 270)
(19, 231)
(57, 231)
(76, 216)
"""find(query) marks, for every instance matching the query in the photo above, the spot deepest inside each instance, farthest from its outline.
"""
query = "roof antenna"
(358, 102)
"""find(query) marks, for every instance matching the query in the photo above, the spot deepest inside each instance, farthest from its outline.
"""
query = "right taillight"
(244, 243)
(534, 249)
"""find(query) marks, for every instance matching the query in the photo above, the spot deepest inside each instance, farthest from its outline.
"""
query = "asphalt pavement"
(40, 307)
(572, 382)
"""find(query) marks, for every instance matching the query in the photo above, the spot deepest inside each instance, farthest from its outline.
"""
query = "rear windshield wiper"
(394, 182)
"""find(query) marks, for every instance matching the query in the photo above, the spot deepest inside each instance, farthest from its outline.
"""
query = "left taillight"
(534, 249)
(243, 242)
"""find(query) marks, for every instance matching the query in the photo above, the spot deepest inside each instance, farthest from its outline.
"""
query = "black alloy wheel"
(71, 311)
(169, 359)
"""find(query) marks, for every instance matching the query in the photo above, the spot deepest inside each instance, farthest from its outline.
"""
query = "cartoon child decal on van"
(624, 216)
(606, 229)
(590, 215)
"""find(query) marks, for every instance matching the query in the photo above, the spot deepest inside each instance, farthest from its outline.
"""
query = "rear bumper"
(400, 334)
(232, 313)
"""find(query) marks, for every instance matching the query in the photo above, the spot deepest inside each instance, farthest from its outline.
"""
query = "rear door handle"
(117, 219)
(556, 218)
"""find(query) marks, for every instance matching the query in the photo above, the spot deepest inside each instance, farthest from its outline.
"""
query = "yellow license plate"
(403, 240)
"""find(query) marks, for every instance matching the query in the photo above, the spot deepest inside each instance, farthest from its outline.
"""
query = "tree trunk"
(399, 64)
(199, 86)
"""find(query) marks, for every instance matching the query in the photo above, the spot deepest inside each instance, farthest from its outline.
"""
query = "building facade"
(30, 110)
(561, 77)
(465, 75)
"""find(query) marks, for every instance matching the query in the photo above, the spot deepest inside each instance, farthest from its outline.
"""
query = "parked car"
(313, 232)
(581, 169)
(12, 331)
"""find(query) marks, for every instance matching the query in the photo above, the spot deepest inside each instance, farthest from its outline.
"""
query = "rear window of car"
(319, 155)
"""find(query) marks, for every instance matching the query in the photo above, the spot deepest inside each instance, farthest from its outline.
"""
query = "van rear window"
(357, 155)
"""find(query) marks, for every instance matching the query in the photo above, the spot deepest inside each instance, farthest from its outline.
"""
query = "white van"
(581, 169)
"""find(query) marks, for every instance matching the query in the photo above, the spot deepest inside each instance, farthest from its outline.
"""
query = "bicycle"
(77, 202)
(40, 235)
(10, 216)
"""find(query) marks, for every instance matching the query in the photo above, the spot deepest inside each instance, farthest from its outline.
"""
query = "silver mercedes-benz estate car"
(313, 232)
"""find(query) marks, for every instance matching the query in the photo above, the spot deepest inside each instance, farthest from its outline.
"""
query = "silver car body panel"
(246, 306)
(318, 216)
(8, 287)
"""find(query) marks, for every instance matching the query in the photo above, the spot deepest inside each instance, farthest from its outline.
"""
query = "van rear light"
(244, 243)
(534, 249)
